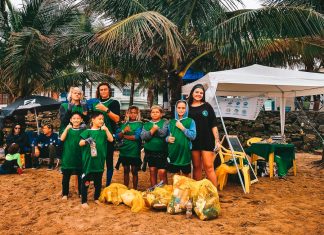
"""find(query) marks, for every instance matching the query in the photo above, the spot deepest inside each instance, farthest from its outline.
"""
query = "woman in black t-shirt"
(207, 134)
(111, 111)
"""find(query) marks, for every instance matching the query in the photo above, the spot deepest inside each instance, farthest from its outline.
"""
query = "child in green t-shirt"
(130, 149)
(94, 151)
(12, 163)
(71, 156)
(181, 131)
(155, 147)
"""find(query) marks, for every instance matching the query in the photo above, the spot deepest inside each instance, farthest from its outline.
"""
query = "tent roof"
(258, 80)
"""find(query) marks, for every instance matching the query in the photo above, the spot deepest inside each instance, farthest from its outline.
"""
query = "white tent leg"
(229, 144)
(282, 114)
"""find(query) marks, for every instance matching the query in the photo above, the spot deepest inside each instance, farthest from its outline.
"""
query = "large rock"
(296, 137)
(274, 129)
(292, 128)
(306, 147)
(309, 138)
(321, 128)
(258, 127)
(298, 144)
(320, 118)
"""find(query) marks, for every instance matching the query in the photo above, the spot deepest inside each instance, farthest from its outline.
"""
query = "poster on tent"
(242, 108)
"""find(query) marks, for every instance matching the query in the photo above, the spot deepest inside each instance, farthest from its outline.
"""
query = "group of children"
(166, 145)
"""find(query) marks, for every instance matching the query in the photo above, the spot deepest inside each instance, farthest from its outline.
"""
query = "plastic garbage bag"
(205, 199)
(159, 198)
(133, 199)
(112, 193)
(180, 194)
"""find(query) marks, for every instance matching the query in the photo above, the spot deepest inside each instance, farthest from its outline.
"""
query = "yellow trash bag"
(205, 199)
(133, 199)
(180, 194)
(159, 198)
(112, 193)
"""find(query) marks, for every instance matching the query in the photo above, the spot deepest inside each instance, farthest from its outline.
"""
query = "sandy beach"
(32, 204)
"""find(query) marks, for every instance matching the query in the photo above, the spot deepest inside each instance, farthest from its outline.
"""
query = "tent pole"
(36, 121)
(282, 114)
(229, 144)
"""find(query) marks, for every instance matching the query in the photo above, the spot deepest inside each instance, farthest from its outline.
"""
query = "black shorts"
(130, 161)
(156, 159)
(176, 169)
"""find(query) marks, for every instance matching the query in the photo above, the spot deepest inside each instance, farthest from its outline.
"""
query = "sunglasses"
(17, 128)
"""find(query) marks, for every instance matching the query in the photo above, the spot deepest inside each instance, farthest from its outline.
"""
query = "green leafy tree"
(213, 32)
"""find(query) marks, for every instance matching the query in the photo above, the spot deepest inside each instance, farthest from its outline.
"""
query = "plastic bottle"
(93, 149)
(189, 209)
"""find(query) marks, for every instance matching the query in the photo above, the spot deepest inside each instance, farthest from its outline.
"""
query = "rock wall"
(298, 127)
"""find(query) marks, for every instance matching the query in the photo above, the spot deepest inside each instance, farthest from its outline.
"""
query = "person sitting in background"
(13, 163)
(18, 136)
(45, 146)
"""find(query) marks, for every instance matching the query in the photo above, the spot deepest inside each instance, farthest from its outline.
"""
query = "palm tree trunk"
(156, 95)
(175, 85)
(150, 96)
(132, 91)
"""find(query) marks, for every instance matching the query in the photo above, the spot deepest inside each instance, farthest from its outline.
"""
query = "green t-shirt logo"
(205, 113)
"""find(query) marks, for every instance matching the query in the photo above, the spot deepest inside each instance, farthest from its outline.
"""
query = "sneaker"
(64, 198)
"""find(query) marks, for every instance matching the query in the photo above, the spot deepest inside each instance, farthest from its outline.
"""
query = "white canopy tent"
(257, 80)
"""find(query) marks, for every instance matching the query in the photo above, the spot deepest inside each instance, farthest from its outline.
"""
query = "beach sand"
(32, 204)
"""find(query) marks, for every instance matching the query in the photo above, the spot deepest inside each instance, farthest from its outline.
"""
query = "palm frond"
(195, 15)
(137, 35)
(317, 5)
(271, 52)
(253, 25)
(63, 80)
(117, 9)
(27, 59)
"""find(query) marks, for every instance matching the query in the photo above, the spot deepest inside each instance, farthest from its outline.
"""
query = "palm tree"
(213, 31)
(31, 46)
(43, 49)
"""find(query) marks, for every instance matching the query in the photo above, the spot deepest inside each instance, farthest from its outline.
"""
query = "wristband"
(108, 110)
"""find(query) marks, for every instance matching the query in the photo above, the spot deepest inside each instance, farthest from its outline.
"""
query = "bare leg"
(126, 175)
(163, 175)
(153, 175)
(197, 164)
(208, 158)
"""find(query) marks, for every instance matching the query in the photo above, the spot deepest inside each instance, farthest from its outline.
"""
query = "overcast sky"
(250, 4)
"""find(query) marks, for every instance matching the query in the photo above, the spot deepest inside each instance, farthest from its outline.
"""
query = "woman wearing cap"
(207, 139)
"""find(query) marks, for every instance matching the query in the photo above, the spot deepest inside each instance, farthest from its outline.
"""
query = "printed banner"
(242, 108)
